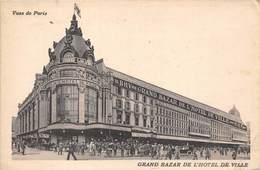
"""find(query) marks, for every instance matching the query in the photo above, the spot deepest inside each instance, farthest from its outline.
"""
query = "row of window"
(172, 131)
(199, 117)
(171, 114)
(119, 104)
(171, 122)
(126, 121)
(135, 96)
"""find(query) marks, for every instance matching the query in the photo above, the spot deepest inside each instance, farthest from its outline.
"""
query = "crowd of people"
(133, 148)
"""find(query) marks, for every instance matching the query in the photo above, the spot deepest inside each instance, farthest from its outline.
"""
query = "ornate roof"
(234, 111)
(72, 41)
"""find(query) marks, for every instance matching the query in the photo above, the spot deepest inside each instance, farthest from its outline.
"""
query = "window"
(144, 99)
(145, 110)
(127, 118)
(136, 108)
(118, 103)
(119, 90)
(152, 112)
(127, 105)
(49, 107)
(90, 105)
(151, 101)
(136, 96)
(67, 103)
(118, 116)
(151, 123)
(68, 57)
(128, 93)
(144, 121)
(68, 73)
(136, 120)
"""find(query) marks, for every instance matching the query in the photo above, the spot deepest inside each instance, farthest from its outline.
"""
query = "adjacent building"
(78, 97)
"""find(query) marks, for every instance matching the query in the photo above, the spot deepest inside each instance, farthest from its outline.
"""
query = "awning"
(72, 126)
(144, 135)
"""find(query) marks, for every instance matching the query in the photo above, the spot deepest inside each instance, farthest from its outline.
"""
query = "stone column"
(132, 108)
(28, 119)
(31, 118)
(123, 107)
(108, 108)
(43, 110)
(36, 114)
(99, 118)
(53, 106)
(81, 106)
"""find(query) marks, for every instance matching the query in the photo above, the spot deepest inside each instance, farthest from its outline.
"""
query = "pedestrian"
(72, 148)
(82, 148)
(234, 155)
(195, 156)
(122, 148)
(23, 147)
(207, 154)
(177, 152)
(60, 148)
(169, 153)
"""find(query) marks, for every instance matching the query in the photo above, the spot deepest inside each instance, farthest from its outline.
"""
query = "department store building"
(77, 97)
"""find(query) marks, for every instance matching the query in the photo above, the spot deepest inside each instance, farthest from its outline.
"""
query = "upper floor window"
(128, 93)
(119, 90)
(67, 103)
(144, 99)
(90, 105)
(136, 108)
(145, 122)
(119, 116)
(145, 110)
(127, 118)
(136, 96)
(118, 103)
(127, 105)
(151, 101)
(136, 120)
(68, 73)
(68, 57)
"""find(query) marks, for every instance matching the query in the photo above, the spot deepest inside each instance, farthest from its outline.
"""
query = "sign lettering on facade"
(121, 83)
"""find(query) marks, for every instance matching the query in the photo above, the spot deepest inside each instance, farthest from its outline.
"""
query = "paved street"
(36, 154)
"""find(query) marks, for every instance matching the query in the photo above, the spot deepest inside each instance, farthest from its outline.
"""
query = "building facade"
(77, 97)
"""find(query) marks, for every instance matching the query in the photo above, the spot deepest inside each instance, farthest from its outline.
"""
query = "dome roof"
(78, 44)
(234, 111)
(73, 42)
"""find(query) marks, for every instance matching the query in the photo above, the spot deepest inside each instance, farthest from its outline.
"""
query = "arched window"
(67, 103)
(90, 105)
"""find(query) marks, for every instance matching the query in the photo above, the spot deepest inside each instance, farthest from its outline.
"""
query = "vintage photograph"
(130, 81)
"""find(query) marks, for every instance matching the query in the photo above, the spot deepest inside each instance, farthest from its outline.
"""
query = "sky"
(208, 51)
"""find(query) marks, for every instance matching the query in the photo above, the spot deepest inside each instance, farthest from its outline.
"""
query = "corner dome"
(234, 111)
(72, 42)
(78, 44)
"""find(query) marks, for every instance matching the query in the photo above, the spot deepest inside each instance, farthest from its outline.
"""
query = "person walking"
(60, 148)
(23, 147)
(207, 154)
(234, 155)
(195, 156)
(71, 151)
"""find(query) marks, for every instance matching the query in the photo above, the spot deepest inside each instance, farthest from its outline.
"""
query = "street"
(36, 154)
